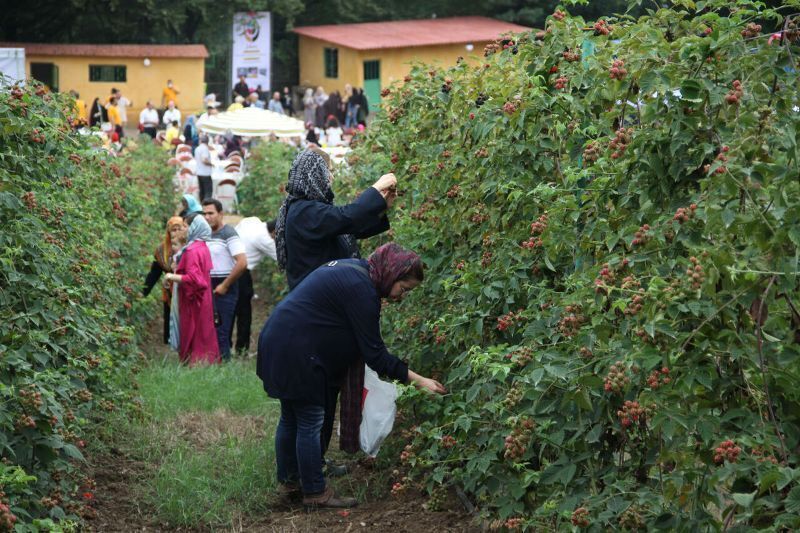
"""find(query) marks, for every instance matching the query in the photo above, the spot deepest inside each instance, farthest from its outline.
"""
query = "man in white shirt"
(275, 103)
(202, 158)
(258, 244)
(122, 106)
(172, 114)
(148, 119)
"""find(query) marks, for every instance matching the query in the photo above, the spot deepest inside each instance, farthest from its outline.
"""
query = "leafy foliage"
(262, 193)
(79, 228)
(611, 294)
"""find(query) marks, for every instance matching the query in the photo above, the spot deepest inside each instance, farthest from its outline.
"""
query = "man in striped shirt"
(228, 262)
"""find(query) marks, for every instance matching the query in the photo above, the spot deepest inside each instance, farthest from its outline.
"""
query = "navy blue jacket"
(314, 231)
(320, 329)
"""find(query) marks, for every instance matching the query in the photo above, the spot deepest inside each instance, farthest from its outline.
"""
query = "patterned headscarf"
(199, 230)
(308, 180)
(164, 251)
(389, 263)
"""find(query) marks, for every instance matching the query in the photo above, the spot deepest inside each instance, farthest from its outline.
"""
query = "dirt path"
(119, 476)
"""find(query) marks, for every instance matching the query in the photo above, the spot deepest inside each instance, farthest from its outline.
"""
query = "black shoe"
(334, 470)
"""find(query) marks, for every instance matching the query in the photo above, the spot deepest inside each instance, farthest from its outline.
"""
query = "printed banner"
(252, 48)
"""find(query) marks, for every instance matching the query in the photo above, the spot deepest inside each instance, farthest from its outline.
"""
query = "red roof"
(406, 33)
(112, 50)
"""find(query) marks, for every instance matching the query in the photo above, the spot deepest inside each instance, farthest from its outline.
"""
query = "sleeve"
(194, 280)
(364, 214)
(363, 313)
(234, 243)
(152, 278)
(266, 244)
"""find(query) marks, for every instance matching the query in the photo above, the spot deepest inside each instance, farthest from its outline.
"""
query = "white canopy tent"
(253, 122)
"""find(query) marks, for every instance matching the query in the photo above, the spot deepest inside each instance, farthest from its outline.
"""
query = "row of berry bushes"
(79, 226)
(608, 214)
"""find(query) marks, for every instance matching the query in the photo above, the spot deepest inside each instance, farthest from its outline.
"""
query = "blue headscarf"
(193, 206)
(199, 230)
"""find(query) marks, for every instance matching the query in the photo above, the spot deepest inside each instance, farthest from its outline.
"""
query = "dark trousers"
(206, 187)
(166, 322)
(224, 309)
(297, 450)
(244, 312)
(330, 414)
(151, 131)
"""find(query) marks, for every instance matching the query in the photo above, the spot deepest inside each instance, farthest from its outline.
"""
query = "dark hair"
(216, 203)
(333, 122)
(271, 225)
(188, 219)
(415, 272)
(113, 90)
(174, 122)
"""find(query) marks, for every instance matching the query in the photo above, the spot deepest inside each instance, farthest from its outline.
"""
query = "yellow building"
(374, 54)
(140, 71)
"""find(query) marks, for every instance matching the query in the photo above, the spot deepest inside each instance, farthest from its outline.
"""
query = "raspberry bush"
(597, 270)
(78, 231)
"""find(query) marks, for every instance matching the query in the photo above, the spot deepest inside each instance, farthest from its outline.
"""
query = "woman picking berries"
(311, 338)
(311, 231)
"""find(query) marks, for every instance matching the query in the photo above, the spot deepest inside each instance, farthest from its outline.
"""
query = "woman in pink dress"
(198, 337)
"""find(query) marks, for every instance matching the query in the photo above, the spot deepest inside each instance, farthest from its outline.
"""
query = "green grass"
(207, 440)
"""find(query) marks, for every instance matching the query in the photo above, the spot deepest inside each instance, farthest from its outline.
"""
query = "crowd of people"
(313, 347)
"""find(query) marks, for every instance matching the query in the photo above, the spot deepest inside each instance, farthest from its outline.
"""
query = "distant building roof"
(406, 33)
(112, 50)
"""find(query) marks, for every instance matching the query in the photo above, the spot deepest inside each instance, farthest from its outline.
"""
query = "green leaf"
(745, 500)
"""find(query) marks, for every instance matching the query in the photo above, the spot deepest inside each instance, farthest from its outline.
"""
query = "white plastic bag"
(377, 415)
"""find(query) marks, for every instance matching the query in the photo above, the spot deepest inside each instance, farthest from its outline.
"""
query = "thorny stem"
(763, 365)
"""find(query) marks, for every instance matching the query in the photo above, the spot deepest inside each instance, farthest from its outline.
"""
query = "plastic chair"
(183, 148)
(226, 194)
(183, 157)
(235, 159)
(173, 162)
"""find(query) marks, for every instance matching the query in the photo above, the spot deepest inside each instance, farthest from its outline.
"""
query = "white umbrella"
(253, 122)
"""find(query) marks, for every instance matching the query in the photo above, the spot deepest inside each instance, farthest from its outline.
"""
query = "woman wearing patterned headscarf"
(328, 323)
(197, 334)
(311, 231)
(162, 264)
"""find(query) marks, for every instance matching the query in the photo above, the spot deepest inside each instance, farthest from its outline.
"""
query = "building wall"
(143, 83)
(395, 62)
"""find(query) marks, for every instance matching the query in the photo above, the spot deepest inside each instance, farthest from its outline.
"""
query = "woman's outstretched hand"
(386, 182)
(428, 384)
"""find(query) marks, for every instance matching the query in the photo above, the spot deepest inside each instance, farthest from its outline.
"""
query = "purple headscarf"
(389, 263)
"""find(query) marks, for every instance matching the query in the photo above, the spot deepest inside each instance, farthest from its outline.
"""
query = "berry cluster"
(490, 49)
(751, 31)
(601, 27)
(762, 456)
(422, 212)
(559, 15)
(641, 236)
(586, 352)
(119, 211)
(31, 398)
(447, 85)
(605, 278)
(385, 92)
(510, 45)
(571, 56)
(486, 259)
(397, 489)
(481, 99)
(630, 413)
(540, 35)
(83, 395)
(75, 158)
(532, 242)
(570, 324)
(617, 378)
(479, 215)
(107, 405)
(735, 94)
(37, 136)
(514, 523)
(727, 451)
(591, 153)
(657, 378)
(511, 107)
(448, 441)
(515, 443)
(684, 214)
(394, 159)
(29, 199)
(395, 113)
(407, 453)
(447, 153)
(635, 305)
(521, 357)
(507, 320)
(580, 517)
(25, 421)
(631, 519)
(438, 337)
(482, 152)
(695, 273)
(7, 518)
(454, 191)
(620, 142)
(461, 265)
(538, 227)
(618, 70)
(513, 397)
(561, 83)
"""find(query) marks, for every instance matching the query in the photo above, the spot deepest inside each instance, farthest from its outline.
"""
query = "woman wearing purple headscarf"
(310, 340)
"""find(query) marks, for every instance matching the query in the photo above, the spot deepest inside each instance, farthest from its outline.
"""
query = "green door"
(372, 83)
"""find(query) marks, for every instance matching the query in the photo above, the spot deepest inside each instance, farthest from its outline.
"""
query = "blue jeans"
(224, 311)
(351, 120)
(297, 445)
